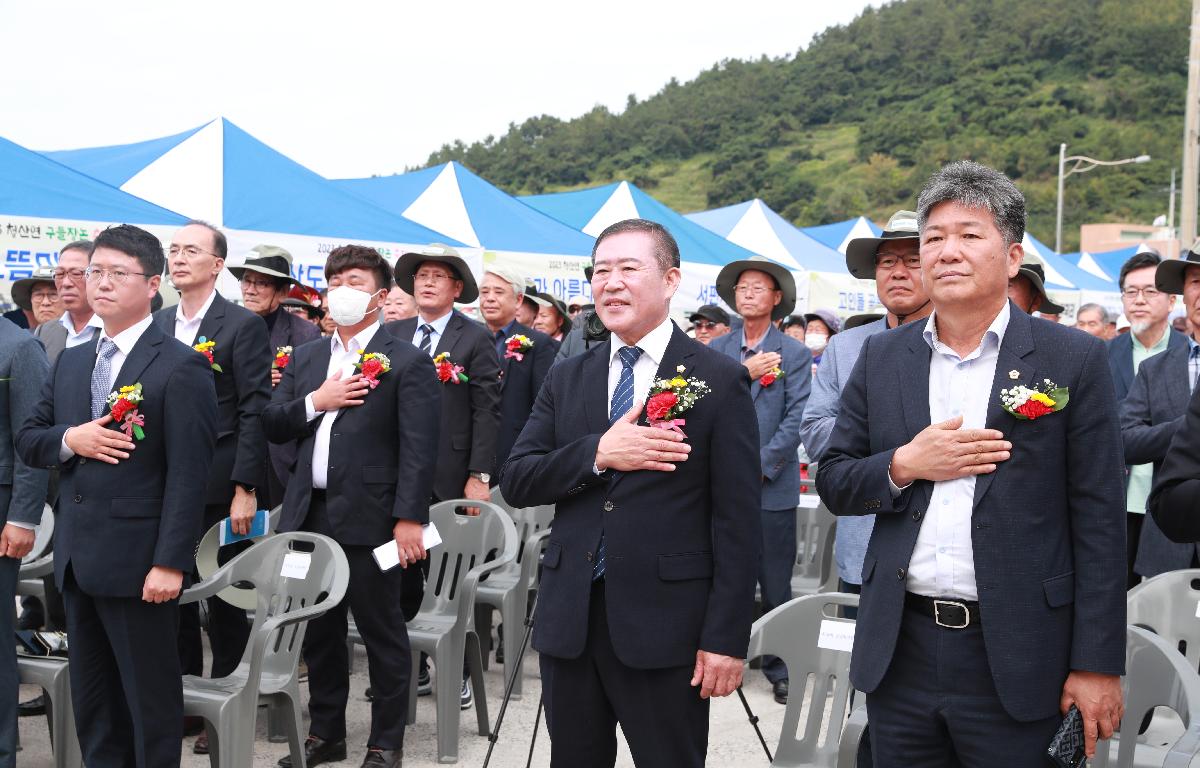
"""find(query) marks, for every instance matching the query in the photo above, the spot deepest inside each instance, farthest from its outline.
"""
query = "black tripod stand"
(494, 736)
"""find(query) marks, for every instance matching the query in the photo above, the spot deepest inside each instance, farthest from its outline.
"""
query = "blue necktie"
(622, 401)
(102, 377)
(426, 345)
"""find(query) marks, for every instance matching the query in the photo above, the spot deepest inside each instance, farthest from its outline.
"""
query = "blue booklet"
(258, 529)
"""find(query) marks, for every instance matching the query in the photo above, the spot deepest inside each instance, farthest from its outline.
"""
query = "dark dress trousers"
(381, 465)
(115, 523)
(243, 390)
(520, 381)
(470, 412)
(682, 558)
(1151, 415)
(1047, 533)
(287, 330)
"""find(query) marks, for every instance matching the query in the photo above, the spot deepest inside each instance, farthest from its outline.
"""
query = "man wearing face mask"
(367, 449)
(820, 326)
(781, 371)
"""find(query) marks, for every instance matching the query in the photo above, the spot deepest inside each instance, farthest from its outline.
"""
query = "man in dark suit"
(992, 593)
(1147, 309)
(647, 591)
(780, 370)
(240, 364)
(367, 444)
(266, 277)
(523, 368)
(130, 509)
(1153, 412)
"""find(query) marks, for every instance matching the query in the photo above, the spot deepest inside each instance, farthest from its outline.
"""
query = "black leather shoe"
(33, 707)
(500, 646)
(317, 751)
(383, 758)
(780, 688)
(201, 745)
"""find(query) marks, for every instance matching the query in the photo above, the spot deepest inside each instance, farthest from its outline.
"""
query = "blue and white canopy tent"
(450, 198)
(702, 252)
(1068, 284)
(222, 174)
(44, 205)
(839, 234)
(755, 226)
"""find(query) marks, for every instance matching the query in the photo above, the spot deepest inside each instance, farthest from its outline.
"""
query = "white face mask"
(348, 306)
(816, 341)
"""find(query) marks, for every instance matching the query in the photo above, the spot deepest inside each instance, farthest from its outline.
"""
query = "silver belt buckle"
(937, 614)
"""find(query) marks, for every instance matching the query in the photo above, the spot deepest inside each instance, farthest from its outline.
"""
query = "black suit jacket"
(520, 381)
(1151, 415)
(471, 411)
(381, 453)
(288, 331)
(682, 547)
(1175, 499)
(117, 521)
(1120, 359)
(1048, 526)
(243, 391)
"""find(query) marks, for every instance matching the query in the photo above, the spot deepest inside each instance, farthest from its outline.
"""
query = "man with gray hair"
(986, 444)
(1093, 319)
(525, 354)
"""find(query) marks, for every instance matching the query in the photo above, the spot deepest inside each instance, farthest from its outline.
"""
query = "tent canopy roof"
(755, 226)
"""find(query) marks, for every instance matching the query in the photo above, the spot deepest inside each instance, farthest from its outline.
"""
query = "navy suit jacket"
(381, 453)
(682, 547)
(288, 331)
(1120, 358)
(520, 381)
(780, 410)
(243, 391)
(471, 411)
(116, 521)
(1048, 526)
(23, 372)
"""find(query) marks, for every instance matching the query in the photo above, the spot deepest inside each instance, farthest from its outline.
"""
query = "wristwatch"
(247, 488)
(482, 477)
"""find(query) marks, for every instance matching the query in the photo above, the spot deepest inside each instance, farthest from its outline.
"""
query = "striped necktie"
(622, 401)
(102, 376)
(426, 345)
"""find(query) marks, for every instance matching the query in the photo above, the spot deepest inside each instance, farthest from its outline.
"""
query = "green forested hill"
(855, 122)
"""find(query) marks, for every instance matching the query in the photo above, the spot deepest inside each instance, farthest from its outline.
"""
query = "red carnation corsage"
(205, 347)
(517, 346)
(123, 406)
(283, 356)
(372, 365)
(448, 371)
(670, 398)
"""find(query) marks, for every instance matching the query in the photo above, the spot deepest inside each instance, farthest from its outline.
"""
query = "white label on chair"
(810, 500)
(836, 635)
(295, 565)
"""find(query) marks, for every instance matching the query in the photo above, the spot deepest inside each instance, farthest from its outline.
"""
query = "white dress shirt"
(943, 561)
(125, 341)
(341, 358)
(185, 328)
(439, 328)
(654, 348)
(85, 334)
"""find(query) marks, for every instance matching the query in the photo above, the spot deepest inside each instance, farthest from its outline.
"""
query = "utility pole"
(1191, 136)
(1173, 241)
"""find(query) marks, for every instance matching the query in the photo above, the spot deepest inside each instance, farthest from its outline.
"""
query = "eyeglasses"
(704, 325)
(74, 274)
(431, 277)
(118, 276)
(190, 251)
(751, 290)
(257, 285)
(37, 297)
(912, 261)
(1150, 294)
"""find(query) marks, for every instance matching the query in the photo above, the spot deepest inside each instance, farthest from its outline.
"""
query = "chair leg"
(514, 625)
(277, 722)
(294, 726)
(474, 652)
(67, 753)
(448, 686)
(483, 625)
(217, 745)
(412, 688)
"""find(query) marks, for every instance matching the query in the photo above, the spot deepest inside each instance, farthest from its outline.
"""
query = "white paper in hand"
(387, 554)
(836, 635)
(295, 565)
(809, 501)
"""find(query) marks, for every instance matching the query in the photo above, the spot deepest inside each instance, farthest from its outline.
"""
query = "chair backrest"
(1169, 606)
(206, 562)
(467, 541)
(1156, 676)
(815, 645)
(814, 541)
(528, 520)
(295, 576)
(42, 537)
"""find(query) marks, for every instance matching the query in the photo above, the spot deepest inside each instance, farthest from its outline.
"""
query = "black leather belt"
(948, 613)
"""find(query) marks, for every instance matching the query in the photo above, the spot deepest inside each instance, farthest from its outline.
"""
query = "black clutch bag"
(1066, 748)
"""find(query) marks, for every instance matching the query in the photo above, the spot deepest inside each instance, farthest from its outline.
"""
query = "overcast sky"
(352, 88)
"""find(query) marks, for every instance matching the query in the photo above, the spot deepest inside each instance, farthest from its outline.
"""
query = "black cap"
(710, 312)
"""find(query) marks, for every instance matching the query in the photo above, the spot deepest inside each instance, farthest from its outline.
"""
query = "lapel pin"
(1014, 375)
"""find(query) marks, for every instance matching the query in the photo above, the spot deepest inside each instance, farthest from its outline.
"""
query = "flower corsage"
(372, 365)
(517, 346)
(670, 398)
(770, 376)
(283, 356)
(448, 371)
(123, 405)
(205, 347)
(1029, 403)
